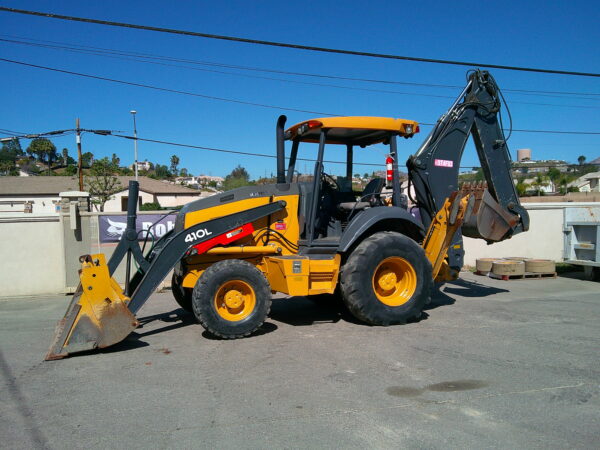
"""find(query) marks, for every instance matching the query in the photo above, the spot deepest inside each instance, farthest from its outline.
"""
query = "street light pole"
(135, 155)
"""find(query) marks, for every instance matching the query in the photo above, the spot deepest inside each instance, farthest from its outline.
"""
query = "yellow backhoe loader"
(231, 251)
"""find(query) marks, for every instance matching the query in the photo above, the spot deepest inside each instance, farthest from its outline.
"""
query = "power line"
(235, 152)
(262, 105)
(108, 51)
(294, 46)
(133, 57)
(157, 88)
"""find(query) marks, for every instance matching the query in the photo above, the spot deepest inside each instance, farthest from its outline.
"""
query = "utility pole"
(79, 164)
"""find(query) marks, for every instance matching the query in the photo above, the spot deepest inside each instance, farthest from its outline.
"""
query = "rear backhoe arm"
(433, 169)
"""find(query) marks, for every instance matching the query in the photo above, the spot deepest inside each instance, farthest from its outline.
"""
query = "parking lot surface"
(492, 364)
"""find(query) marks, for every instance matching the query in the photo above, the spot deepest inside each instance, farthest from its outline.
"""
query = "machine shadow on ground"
(304, 311)
(178, 318)
(461, 287)
(301, 311)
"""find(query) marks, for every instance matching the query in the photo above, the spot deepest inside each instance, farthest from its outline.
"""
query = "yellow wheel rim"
(394, 281)
(235, 300)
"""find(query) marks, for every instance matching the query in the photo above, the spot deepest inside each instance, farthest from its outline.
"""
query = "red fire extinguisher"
(389, 171)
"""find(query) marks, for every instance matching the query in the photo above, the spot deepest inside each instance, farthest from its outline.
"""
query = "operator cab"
(328, 204)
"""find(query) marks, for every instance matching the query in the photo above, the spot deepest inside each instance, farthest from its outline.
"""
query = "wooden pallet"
(526, 275)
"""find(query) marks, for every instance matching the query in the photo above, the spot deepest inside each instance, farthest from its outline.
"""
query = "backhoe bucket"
(97, 315)
(488, 220)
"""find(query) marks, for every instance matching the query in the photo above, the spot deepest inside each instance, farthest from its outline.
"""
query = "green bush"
(150, 207)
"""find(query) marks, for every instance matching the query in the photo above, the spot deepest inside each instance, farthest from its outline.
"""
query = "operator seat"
(369, 196)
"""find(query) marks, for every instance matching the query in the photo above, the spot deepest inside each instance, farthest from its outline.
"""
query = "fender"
(371, 217)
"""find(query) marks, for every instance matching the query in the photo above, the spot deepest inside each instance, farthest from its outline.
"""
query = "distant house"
(41, 193)
(590, 182)
(534, 167)
(204, 180)
(594, 162)
(142, 165)
(166, 194)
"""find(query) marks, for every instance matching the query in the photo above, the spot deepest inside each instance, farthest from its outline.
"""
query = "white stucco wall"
(167, 201)
(31, 257)
(42, 204)
(114, 205)
(543, 240)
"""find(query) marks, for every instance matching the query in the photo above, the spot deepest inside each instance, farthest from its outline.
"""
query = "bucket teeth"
(97, 315)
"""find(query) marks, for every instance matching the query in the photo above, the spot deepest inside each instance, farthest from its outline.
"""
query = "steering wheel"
(328, 182)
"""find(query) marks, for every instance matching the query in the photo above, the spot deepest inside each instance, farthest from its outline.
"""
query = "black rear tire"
(231, 299)
(363, 269)
(183, 296)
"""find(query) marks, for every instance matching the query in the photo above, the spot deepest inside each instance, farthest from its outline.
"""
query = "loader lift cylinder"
(132, 200)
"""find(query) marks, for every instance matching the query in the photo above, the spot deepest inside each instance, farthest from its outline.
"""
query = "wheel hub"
(387, 279)
(234, 299)
(394, 281)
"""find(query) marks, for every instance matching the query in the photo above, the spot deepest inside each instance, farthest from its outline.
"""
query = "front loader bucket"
(488, 220)
(97, 315)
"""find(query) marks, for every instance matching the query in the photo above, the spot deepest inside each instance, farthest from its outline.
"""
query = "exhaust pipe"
(280, 149)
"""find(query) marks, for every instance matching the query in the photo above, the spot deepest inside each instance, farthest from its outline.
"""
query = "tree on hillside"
(563, 182)
(581, 160)
(521, 188)
(174, 164)
(9, 154)
(87, 159)
(43, 149)
(554, 175)
(13, 148)
(161, 172)
(70, 170)
(237, 178)
(539, 182)
(102, 183)
(184, 173)
(8, 167)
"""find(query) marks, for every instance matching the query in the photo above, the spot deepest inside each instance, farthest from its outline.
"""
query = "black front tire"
(358, 279)
(183, 296)
(210, 299)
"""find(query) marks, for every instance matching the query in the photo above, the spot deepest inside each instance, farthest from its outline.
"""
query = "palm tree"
(539, 182)
(564, 180)
(581, 160)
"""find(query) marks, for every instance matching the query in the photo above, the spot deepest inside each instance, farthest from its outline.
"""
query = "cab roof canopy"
(353, 130)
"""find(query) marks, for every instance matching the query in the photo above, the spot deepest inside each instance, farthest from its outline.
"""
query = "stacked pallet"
(515, 268)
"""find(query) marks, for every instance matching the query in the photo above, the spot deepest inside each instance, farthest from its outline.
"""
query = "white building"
(142, 165)
(590, 182)
(40, 194)
(204, 180)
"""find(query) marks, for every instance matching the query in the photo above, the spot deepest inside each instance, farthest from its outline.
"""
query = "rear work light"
(308, 126)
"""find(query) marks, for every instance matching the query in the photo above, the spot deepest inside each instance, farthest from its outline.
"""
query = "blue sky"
(546, 34)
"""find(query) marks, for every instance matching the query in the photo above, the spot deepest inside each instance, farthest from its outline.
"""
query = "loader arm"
(101, 314)
(433, 169)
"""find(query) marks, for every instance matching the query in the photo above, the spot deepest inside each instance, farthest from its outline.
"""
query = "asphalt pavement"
(492, 364)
